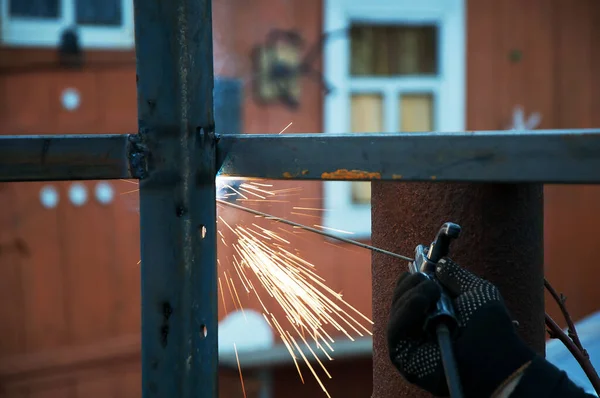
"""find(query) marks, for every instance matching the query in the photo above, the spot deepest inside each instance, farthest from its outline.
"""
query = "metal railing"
(176, 156)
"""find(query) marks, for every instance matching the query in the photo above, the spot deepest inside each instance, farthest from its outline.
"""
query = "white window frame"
(448, 86)
(34, 32)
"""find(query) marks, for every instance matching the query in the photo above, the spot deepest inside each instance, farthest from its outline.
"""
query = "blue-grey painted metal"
(548, 156)
(68, 157)
(177, 198)
(228, 98)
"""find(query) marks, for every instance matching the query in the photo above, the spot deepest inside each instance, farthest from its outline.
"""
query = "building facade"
(69, 252)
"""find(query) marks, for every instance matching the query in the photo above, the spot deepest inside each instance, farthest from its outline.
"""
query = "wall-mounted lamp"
(277, 68)
(279, 64)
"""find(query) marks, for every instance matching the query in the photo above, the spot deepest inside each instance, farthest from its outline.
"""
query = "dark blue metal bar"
(177, 198)
(546, 156)
(228, 99)
(66, 157)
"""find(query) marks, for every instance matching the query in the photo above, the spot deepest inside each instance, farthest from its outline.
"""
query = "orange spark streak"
(338, 246)
(230, 292)
(239, 369)
(262, 185)
(305, 215)
(333, 229)
(238, 298)
(236, 191)
(222, 295)
(309, 365)
(251, 186)
(285, 128)
(128, 192)
(263, 201)
(252, 193)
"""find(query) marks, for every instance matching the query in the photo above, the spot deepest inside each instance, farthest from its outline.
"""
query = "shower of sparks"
(312, 309)
(266, 265)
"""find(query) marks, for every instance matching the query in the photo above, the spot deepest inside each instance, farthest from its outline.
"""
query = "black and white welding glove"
(486, 346)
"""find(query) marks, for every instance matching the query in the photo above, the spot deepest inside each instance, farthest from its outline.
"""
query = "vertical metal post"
(177, 197)
(502, 241)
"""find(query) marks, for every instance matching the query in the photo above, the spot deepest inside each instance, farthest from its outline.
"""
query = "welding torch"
(442, 322)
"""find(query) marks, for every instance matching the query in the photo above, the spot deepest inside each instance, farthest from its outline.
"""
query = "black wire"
(313, 230)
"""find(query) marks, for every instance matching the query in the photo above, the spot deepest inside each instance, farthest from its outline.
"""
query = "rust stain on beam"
(345, 174)
(287, 174)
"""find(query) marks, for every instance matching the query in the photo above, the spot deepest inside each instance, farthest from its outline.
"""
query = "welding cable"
(449, 362)
(310, 229)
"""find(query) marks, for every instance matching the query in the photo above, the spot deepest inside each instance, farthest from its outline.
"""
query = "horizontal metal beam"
(548, 156)
(65, 157)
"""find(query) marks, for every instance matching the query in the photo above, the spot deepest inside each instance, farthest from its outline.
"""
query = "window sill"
(14, 59)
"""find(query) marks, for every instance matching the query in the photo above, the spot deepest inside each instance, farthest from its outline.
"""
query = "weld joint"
(207, 134)
(137, 155)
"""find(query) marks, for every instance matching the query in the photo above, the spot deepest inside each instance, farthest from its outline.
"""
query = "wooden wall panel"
(572, 212)
(556, 76)
(26, 104)
(11, 286)
(351, 378)
(42, 279)
(72, 286)
(126, 268)
(52, 390)
(117, 98)
(129, 381)
(89, 268)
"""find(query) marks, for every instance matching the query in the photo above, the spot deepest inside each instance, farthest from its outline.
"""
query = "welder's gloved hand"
(486, 346)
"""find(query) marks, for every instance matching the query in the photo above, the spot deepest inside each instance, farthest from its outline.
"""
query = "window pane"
(416, 113)
(367, 117)
(380, 50)
(99, 12)
(367, 113)
(34, 8)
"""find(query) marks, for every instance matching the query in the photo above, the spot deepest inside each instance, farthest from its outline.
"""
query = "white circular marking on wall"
(70, 99)
(247, 329)
(49, 197)
(104, 192)
(78, 194)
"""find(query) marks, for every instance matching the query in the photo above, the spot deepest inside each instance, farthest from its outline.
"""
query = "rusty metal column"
(502, 241)
(174, 157)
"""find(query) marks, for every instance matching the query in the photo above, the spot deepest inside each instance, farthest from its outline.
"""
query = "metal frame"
(176, 156)
(547, 156)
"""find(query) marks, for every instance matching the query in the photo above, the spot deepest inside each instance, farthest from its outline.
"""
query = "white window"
(400, 67)
(41, 23)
